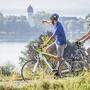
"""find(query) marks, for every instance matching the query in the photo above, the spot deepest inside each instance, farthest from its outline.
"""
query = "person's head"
(54, 18)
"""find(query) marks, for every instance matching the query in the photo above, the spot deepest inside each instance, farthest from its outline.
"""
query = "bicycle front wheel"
(27, 70)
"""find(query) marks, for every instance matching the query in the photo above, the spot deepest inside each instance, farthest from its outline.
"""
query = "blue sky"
(66, 6)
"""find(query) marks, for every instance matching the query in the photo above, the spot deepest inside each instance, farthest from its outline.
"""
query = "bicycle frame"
(41, 57)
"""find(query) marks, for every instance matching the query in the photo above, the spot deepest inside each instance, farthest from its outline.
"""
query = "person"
(85, 37)
(58, 35)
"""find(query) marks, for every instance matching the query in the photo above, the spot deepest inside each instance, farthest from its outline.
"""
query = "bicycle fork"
(35, 66)
(48, 63)
(37, 63)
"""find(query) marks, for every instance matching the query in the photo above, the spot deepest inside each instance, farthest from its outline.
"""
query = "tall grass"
(49, 82)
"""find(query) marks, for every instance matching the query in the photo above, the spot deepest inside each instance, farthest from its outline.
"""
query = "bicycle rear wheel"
(64, 69)
(27, 70)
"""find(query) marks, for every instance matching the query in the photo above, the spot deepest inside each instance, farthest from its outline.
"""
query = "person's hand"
(44, 45)
(79, 43)
(44, 21)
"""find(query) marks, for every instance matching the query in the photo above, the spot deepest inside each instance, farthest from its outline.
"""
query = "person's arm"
(87, 38)
(53, 36)
(46, 21)
(84, 37)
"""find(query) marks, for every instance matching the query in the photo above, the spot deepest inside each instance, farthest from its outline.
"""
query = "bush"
(7, 69)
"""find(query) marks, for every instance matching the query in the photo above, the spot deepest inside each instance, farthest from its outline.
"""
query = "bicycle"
(65, 67)
(32, 66)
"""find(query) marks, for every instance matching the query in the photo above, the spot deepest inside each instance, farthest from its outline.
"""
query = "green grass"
(48, 82)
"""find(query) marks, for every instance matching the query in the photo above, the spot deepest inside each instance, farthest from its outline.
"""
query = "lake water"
(10, 52)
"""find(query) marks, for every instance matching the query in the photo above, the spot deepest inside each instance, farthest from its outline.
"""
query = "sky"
(66, 6)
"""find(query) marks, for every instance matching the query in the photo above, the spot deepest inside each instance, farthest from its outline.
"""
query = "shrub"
(7, 69)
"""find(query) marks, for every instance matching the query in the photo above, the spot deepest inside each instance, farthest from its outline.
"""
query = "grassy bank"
(81, 82)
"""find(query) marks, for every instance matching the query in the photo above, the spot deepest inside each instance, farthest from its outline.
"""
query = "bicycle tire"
(64, 69)
(30, 63)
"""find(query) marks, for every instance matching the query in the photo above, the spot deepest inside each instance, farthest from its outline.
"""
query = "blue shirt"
(59, 34)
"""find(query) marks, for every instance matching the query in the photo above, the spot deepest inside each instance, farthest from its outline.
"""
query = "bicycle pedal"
(55, 70)
(57, 74)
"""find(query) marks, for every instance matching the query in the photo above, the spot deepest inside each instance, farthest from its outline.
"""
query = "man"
(59, 35)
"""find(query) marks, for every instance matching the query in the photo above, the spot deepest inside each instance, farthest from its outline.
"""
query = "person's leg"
(60, 52)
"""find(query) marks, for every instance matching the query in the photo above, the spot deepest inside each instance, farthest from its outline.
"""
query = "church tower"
(30, 10)
(30, 13)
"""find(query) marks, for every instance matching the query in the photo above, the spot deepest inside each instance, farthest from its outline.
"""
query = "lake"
(10, 52)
